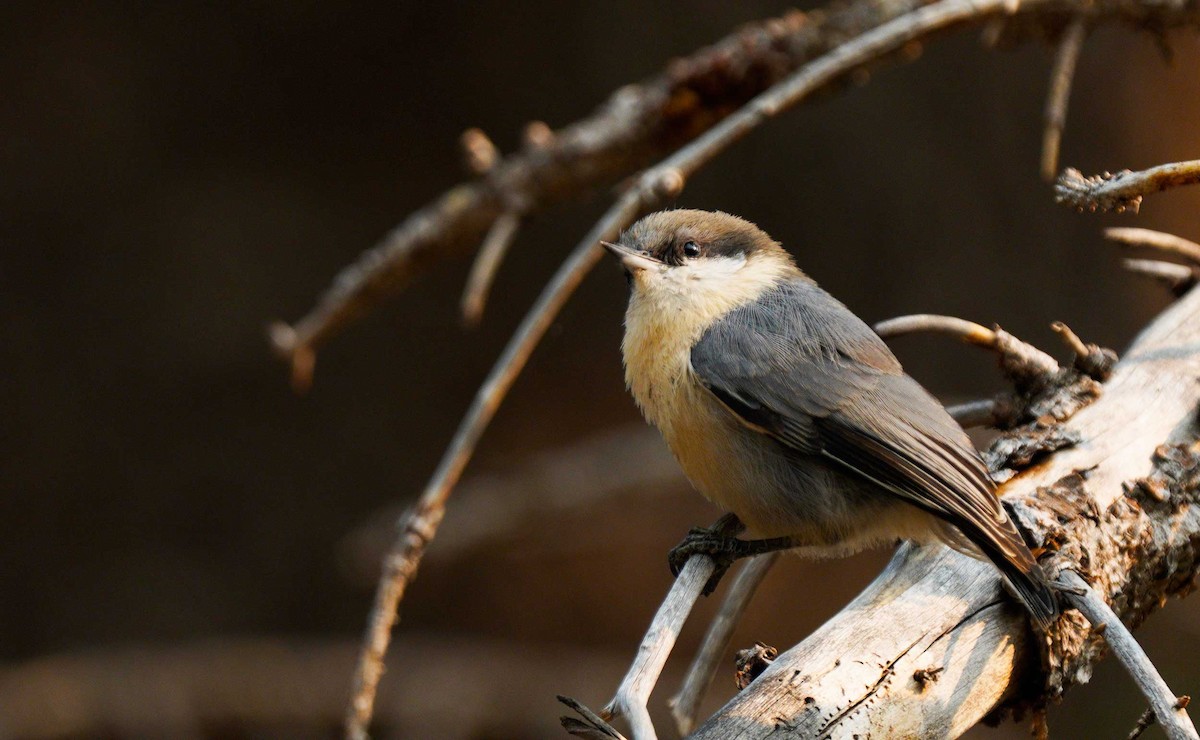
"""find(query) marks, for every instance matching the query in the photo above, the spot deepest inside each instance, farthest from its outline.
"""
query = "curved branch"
(483, 273)
(1024, 363)
(1169, 244)
(419, 526)
(1177, 278)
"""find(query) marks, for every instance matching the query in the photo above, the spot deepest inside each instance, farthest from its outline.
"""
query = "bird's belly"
(777, 492)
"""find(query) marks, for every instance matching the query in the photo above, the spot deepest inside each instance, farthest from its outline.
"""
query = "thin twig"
(1123, 190)
(1165, 703)
(592, 726)
(1065, 61)
(1178, 278)
(1022, 362)
(483, 273)
(981, 413)
(637, 125)
(1171, 244)
(656, 185)
(968, 331)
(632, 696)
(685, 705)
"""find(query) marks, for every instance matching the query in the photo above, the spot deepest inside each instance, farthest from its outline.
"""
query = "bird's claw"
(723, 550)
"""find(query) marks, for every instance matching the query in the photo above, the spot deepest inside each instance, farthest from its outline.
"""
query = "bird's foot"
(722, 548)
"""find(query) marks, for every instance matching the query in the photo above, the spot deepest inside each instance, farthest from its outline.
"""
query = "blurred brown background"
(189, 549)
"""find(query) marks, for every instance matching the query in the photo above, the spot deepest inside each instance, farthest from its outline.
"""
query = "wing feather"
(802, 368)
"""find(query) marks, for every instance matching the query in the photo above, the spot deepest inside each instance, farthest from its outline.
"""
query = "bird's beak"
(632, 260)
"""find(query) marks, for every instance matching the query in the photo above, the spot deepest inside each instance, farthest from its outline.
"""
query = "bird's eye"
(691, 249)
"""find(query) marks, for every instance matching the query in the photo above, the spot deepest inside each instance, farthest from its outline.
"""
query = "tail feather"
(1029, 585)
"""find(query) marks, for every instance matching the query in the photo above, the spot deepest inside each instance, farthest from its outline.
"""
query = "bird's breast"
(701, 433)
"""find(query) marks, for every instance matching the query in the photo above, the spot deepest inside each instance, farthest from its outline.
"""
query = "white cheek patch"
(715, 273)
(715, 268)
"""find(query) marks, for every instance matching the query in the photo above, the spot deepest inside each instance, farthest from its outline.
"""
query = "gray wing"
(800, 367)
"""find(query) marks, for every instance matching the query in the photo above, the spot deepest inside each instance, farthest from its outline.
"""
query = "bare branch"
(633, 694)
(1065, 61)
(1178, 279)
(635, 126)
(1122, 190)
(1070, 338)
(1022, 362)
(491, 253)
(1173, 718)
(593, 726)
(686, 703)
(1169, 244)
(967, 331)
(643, 122)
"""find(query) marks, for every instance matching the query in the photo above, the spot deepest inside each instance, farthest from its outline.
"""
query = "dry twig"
(592, 726)
(1023, 362)
(1177, 278)
(1166, 705)
(637, 125)
(483, 273)
(1170, 244)
(1065, 61)
(1090, 359)
(1144, 722)
(633, 694)
(686, 703)
(1122, 190)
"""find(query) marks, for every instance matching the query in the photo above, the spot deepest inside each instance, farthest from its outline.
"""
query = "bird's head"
(699, 260)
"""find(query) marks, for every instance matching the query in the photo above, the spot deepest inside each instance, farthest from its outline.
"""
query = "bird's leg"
(717, 543)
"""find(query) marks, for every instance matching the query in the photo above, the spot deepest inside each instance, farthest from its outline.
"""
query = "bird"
(790, 413)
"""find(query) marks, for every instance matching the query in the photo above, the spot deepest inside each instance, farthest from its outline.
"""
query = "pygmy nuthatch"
(788, 411)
